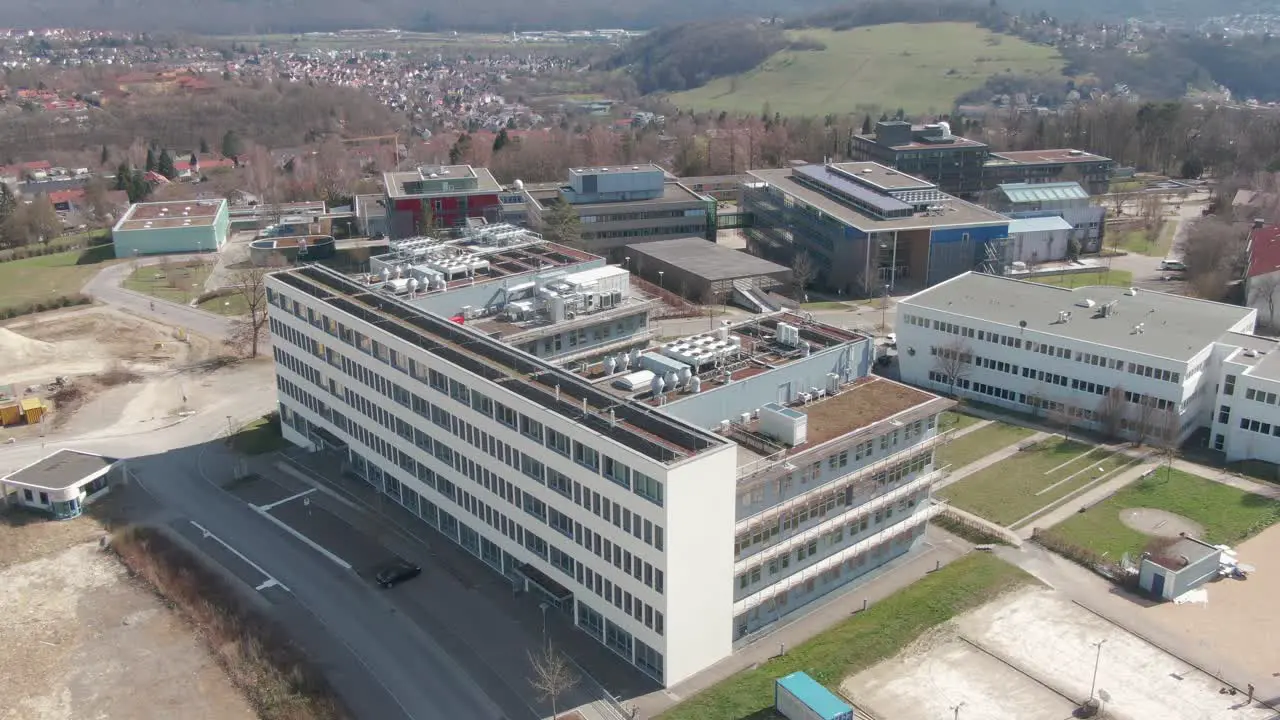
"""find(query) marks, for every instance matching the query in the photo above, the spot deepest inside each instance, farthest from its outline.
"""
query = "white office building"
(674, 500)
(1144, 365)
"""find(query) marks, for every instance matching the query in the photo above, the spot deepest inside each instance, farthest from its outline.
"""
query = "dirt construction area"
(100, 351)
(83, 640)
(1031, 656)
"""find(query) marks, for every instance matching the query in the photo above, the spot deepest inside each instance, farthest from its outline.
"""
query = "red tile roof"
(1264, 250)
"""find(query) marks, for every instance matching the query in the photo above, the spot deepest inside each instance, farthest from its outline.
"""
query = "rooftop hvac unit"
(784, 424)
(634, 381)
(833, 383)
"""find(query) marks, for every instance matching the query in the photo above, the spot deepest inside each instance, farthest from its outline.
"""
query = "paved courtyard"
(1031, 656)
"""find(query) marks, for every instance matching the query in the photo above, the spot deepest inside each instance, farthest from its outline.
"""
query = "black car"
(397, 572)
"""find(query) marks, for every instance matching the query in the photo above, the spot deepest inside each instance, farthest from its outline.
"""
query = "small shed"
(60, 484)
(799, 697)
(32, 410)
(1185, 564)
(1040, 239)
(700, 270)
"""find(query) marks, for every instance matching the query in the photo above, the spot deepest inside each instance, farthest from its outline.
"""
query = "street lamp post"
(543, 607)
(230, 430)
(661, 281)
(1097, 661)
(884, 309)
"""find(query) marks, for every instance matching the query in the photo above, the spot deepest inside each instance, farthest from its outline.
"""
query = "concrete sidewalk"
(1227, 478)
(986, 462)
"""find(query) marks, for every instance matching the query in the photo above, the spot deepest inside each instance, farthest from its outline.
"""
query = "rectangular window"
(531, 428)
(586, 456)
(532, 468)
(616, 472)
(1229, 385)
(558, 441)
(506, 415)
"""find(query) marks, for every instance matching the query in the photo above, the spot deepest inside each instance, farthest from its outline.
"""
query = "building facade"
(439, 196)
(1092, 172)
(671, 520)
(1066, 200)
(867, 226)
(619, 206)
(931, 152)
(1136, 364)
(171, 227)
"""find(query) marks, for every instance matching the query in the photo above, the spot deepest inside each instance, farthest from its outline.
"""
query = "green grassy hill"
(917, 67)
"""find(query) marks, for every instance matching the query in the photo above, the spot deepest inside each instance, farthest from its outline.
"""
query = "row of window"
(767, 572)
(846, 493)
(1263, 397)
(586, 456)
(610, 511)
(619, 640)
(564, 562)
(1260, 427)
(1045, 349)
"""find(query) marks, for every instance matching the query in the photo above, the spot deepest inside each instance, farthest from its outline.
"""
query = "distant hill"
(919, 67)
(277, 16)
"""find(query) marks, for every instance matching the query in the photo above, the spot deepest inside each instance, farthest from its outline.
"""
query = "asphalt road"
(105, 288)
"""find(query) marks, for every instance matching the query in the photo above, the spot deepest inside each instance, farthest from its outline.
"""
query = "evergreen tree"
(193, 161)
(106, 155)
(165, 165)
(7, 203)
(460, 150)
(561, 224)
(204, 146)
(151, 160)
(866, 124)
(122, 176)
(232, 147)
(501, 141)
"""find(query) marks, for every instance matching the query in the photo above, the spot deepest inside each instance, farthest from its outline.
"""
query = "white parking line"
(268, 506)
(270, 582)
(314, 545)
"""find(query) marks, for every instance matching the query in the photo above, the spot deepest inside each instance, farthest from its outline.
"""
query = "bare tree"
(953, 363)
(249, 286)
(1164, 438)
(803, 271)
(552, 676)
(1064, 415)
(1215, 254)
(1262, 293)
(1145, 420)
(1110, 413)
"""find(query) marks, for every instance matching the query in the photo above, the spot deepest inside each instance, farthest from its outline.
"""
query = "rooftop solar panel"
(843, 187)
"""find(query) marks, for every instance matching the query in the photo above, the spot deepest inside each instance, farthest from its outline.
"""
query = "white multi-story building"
(670, 519)
(1142, 364)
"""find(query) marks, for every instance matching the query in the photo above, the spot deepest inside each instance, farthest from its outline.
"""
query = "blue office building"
(867, 226)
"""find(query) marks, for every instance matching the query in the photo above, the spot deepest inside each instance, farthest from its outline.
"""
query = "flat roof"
(1048, 157)
(883, 177)
(1039, 192)
(617, 169)
(1174, 326)
(706, 259)
(1170, 557)
(394, 181)
(672, 193)
(645, 431)
(818, 699)
(866, 402)
(60, 470)
(1040, 224)
(956, 212)
(170, 214)
(957, 142)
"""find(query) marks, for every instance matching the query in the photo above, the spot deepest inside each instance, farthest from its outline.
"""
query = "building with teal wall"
(182, 226)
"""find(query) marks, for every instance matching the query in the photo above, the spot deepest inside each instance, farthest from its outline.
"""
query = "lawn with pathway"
(43, 279)
(1115, 278)
(1032, 479)
(178, 282)
(979, 444)
(862, 640)
(1228, 515)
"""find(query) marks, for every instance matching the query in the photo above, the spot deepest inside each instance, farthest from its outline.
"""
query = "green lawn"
(1135, 241)
(179, 282)
(260, 436)
(1228, 515)
(862, 640)
(226, 305)
(1018, 486)
(1126, 186)
(41, 279)
(1117, 278)
(951, 420)
(826, 305)
(918, 67)
(980, 443)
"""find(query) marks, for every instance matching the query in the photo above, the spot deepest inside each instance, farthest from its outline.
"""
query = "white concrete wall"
(697, 517)
(701, 518)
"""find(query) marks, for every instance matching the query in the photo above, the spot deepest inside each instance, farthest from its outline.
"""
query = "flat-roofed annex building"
(671, 521)
(180, 226)
(1139, 364)
(438, 196)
